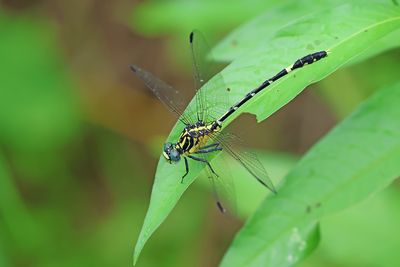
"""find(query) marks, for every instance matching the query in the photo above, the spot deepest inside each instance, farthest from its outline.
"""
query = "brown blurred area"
(98, 47)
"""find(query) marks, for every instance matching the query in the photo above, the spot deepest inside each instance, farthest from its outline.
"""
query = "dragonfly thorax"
(195, 136)
(192, 138)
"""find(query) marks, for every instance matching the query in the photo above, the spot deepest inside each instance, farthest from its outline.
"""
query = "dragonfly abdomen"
(309, 59)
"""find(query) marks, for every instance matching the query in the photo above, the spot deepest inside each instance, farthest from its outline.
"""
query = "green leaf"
(259, 31)
(358, 230)
(263, 29)
(347, 31)
(357, 158)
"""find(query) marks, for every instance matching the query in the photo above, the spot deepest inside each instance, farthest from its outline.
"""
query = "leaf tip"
(139, 246)
(136, 253)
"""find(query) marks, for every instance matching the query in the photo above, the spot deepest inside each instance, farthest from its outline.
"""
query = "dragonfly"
(202, 133)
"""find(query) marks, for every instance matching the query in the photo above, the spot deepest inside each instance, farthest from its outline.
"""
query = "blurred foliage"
(180, 17)
(79, 137)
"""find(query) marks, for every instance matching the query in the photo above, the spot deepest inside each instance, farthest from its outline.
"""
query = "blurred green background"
(80, 137)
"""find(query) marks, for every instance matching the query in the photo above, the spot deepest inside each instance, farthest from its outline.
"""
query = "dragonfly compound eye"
(167, 147)
(174, 155)
(171, 154)
(166, 151)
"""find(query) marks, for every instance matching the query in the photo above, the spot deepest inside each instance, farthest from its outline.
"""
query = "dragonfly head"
(171, 153)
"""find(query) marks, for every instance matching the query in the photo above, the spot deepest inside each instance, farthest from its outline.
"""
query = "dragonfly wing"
(205, 68)
(168, 95)
(233, 145)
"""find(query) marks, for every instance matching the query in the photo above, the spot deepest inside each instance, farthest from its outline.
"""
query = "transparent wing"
(222, 186)
(233, 145)
(168, 95)
(205, 68)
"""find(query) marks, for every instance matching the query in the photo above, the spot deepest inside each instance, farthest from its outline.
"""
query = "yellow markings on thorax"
(192, 140)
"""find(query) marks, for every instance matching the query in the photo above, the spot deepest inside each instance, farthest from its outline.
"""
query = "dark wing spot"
(191, 37)
(133, 68)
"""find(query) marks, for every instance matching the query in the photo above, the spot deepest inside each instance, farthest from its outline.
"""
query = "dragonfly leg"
(213, 149)
(212, 145)
(206, 162)
(187, 169)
